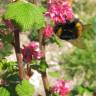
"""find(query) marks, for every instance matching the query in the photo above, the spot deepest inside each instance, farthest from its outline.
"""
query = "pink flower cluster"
(48, 30)
(30, 51)
(61, 87)
(59, 11)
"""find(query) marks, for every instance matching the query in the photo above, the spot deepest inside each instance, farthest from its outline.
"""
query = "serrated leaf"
(25, 89)
(7, 38)
(25, 14)
(8, 51)
(4, 92)
(43, 66)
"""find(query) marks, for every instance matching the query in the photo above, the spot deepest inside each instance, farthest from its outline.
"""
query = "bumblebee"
(70, 30)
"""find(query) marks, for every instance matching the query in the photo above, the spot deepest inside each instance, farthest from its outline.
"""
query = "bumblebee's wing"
(78, 43)
(72, 32)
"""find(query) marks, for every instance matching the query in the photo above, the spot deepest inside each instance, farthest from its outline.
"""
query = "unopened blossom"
(48, 30)
(61, 87)
(59, 11)
(31, 51)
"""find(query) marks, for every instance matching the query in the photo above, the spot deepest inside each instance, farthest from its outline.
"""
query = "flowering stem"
(44, 74)
(58, 41)
(29, 73)
(37, 2)
(45, 82)
(40, 39)
(18, 53)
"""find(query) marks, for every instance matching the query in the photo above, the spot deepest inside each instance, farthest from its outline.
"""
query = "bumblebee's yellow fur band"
(79, 26)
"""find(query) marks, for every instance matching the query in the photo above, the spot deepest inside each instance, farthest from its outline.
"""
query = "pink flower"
(61, 87)
(59, 11)
(48, 30)
(31, 51)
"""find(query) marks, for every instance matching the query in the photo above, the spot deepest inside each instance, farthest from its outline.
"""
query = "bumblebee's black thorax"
(68, 30)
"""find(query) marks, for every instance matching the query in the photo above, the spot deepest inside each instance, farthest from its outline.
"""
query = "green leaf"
(55, 94)
(2, 26)
(25, 15)
(33, 36)
(56, 40)
(7, 38)
(4, 92)
(80, 89)
(25, 89)
(8, 70)
(43, 66)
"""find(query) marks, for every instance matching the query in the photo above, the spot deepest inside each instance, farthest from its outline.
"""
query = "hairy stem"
(44, 74)
(46, 83)
(29, 72)
(18, 53)
(37, 2)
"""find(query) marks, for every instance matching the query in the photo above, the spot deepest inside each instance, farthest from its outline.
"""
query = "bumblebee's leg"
(59, 32)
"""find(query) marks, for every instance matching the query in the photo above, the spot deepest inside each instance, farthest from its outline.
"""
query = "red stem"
(18, 53)
(29, 72)
(16, 45)
(44, 74)
(46, 83)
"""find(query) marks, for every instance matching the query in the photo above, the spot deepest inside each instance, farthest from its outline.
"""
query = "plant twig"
(46, 83)
(44, 74)
(29, 72)
(16, 44)
(18, 53)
